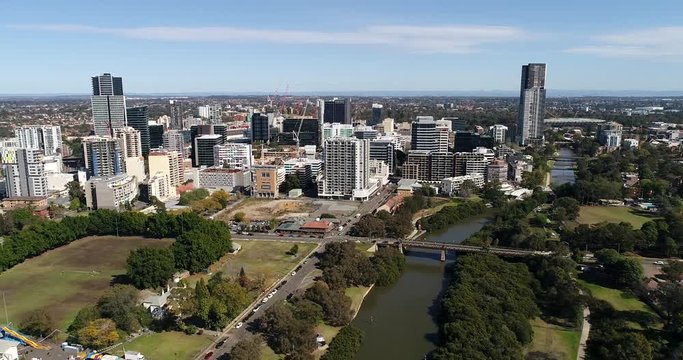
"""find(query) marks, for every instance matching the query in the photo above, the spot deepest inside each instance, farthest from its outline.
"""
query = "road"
(233, 335)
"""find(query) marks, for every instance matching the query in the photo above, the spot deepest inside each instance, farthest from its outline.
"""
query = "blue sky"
(268, 46)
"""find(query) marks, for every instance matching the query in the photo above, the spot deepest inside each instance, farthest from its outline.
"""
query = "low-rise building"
(110, 192)
(267, 180)
(497, 170)
(225, 179)
(452, 185)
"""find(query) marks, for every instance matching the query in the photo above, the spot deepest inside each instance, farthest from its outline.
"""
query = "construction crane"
(296, 135)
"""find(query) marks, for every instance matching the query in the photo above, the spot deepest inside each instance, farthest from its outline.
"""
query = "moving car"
(239, 325)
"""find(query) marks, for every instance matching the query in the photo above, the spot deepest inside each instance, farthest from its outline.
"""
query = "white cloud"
(664, 42)
(433, 39)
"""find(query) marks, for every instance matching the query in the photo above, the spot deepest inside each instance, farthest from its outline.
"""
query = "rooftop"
(323, 225)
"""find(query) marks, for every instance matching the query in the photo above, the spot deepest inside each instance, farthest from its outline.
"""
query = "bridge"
(500, 251)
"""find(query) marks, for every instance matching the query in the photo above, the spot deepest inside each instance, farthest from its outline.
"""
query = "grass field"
(620, 300)
(167, 346)
(559, 342)
(596, 214)
(66, 279)
(261, 259)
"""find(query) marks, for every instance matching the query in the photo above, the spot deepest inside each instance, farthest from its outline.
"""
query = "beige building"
(170, 163)
(160, 187)
(267, 180)
(110, 192)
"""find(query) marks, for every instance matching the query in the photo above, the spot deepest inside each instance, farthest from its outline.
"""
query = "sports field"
(64, 280)
(597, 214)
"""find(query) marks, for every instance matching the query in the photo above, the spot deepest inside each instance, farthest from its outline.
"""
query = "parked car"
(239, 325)
(208, 355)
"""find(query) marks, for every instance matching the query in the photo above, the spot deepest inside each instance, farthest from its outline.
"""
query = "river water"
(400, 321)
(563, 169)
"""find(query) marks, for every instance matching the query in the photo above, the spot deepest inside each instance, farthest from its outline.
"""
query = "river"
(563, 169)
(400, 321)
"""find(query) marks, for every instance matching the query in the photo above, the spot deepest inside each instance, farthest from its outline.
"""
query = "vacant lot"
(597, 214)
(266, 260)
(167, 346)
(66, 279)
(266, 209)
(558, 342)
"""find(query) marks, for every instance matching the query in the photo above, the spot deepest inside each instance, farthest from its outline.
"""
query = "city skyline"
(272, 47)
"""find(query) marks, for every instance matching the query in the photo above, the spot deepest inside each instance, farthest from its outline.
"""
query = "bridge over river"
(444, 247)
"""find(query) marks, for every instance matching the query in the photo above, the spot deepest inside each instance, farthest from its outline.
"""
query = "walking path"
(585, 330)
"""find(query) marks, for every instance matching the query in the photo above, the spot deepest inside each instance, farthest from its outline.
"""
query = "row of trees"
(344, 266)
(450, 215)
(200, 241)
(397, 225)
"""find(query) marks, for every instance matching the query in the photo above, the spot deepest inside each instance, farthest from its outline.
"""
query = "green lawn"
(596, 214)
(167, 346)
(561, 342)
(68, 278)
(620, 300)
(262, 259)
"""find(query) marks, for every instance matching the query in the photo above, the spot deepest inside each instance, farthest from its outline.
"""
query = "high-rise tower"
(531, 104)
(108, 104)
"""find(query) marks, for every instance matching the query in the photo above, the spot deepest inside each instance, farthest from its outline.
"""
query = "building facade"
(233, 156)
(138, 119)
(103, 156)
(347, 172)
(376, 115)
(174, 140)
(531, 104)
(110, 192)
(211, 113)
(498, 133)
(169, 163)
(26, 176)
(176, 111)
(131, 144)
(108, 104)
(44, 137)
(424, 135)
(260, 128)
(267, 180)
(383, 150)
(336, 111)
(337, 130)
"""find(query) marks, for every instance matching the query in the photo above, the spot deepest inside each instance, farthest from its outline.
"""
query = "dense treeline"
(557, 294)
(345, 345)
(215, 303)
(397, 225)
(450, 215)
(344, 266)
(200, 241)
(486, 310)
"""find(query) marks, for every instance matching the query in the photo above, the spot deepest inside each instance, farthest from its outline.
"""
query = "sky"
(275, 47)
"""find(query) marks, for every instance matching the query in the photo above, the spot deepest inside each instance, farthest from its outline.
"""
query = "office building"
(267, 180)
(417, 165)
(169, 163)
(346, 173)
(211, 113)
(531, 105)
(466, 141)
(233, 156)
(103, 156)
(336, 111)
(609, 135)
(465, 163)
(443, 128)
(129, 138)
(440, 165)
(383, 150)
(224, 179)
(174, 140)
(110, 192)
(451, 186)
(25, 177)
(307, 128)
(337, 130)
(497, 170)
(202, 149)
(365, 132)
(156, 136)
(376, 115)
(260, 128)
(457, 124)
(44, 137)
(176, 111)
(498, 133)
(424, 135)
(138, 119)
(108, 104)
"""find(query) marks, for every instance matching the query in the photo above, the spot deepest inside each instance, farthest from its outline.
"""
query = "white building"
(110, 192)
(44, 137)
(25, 177)
(498, 133)
(517, 168)
(451, 186)
(631, 143)
(129, 138)
(212, 113)
(337, 130)
(174, 141)
(225, 179)
(443, 128)
(347, 169)
(379, 171)
(135, 166)
(169, 163)
(160, 187)
(233, 156)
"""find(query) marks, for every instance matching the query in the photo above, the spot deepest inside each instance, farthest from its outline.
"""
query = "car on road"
(290, 296)
(255, 309)
(270, 296)
(220, 343)
(239, 325)
(265, 300)
(293, 273)
(208, 355)
(274, 291)
(658, 262)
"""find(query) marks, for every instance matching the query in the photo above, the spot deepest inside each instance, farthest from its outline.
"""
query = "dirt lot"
(266, 209)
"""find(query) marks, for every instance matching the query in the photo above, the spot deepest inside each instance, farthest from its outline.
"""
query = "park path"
(585, 330)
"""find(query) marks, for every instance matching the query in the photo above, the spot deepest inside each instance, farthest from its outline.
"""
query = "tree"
(670, 297)
(190, 196)
(294, 250)
(369, 226)
(221, 197)
(38, 323)
(76, 194)
(247, 349)
(467, 188)
(291, 182)
(98, 334)
(345, 345)
(569, 205)
(120, 304)
(673, 270)
(150, 267)
(84, 316)
(491, 192)
(238, 217)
